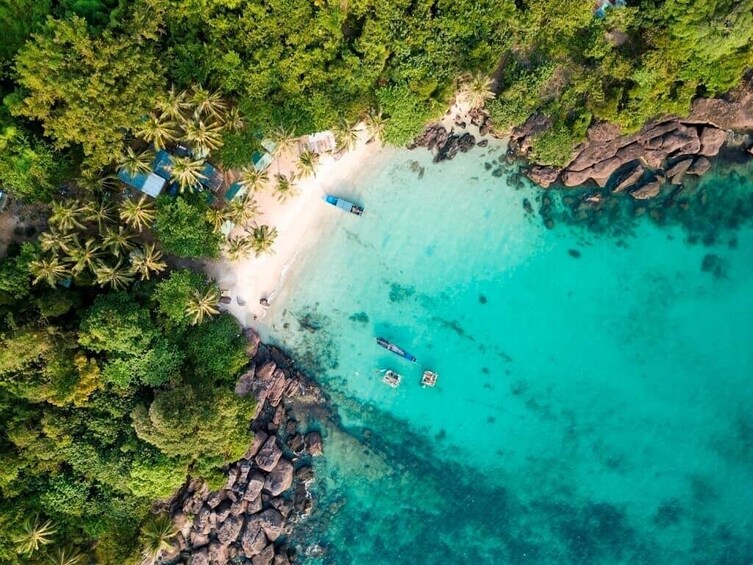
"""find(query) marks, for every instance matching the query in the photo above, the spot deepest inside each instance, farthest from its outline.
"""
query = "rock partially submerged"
(247, 520)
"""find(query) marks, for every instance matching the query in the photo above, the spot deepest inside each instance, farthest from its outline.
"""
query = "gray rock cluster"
(266, 493)
(641, 164)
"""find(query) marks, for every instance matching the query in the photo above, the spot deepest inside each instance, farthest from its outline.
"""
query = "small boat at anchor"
(429, 378)
(344, 205)
(391, 378)
(389, 346)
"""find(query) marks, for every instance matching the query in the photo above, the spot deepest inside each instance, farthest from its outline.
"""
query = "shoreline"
(298, 222)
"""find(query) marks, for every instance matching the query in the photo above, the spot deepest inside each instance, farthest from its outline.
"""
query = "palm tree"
(134, 163)
(217, 217)
(157, 536)
(307, 162)
(147, 260)
(203, 136)
(50, 270)
(186, 172)
(263, 238)
(52, 240)
(117, 240)
(66, 215)
(242, 210)
(173, 104)
(62, 555)
(159, 131)
(117, 276)
(96, 181)
(84, 256)
(346, 134)
(234, 120)
(201, 305)
(253, 180)
(138, 214)
(239, 248)
(476, 90)
(207, 103)
(285, 187)
(284, 141)
(376, 124)
(101, 212)
(34, 534)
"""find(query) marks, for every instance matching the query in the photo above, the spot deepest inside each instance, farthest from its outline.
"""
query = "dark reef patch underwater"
(591, 408)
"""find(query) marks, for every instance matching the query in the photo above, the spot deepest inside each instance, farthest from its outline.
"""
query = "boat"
(429, 378)
(344, 205)
(391, 378)
(395, 349)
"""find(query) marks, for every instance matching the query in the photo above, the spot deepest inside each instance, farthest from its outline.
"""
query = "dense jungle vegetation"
(116, 374)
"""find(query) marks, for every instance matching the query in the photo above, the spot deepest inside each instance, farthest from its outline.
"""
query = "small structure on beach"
(320, 142)
(235, 190)
(213, 178)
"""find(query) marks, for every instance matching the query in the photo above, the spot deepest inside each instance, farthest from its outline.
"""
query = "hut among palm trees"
(320, 142)
(148, 183)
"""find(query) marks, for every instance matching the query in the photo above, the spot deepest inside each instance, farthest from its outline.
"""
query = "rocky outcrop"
(659, 146)
(250, 518)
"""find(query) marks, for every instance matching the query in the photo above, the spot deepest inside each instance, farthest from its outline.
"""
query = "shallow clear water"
(594, 403)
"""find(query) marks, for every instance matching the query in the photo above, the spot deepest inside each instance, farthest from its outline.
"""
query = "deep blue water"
(594, 403)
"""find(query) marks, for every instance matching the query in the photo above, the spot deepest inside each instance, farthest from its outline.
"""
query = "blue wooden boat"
(395, 349)
(344, 205)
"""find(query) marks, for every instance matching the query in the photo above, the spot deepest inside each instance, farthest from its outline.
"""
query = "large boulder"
(230, 529)
(218, 553)
(632, 177)
(222, 511)
(266, 371)
(700, 166)
(253, 539)
(214, 499)
(648, 190)
(199, 558)
(265, 556)
(735, 114)
(245, 383)
(543, 176)
(281, 559)
(259, 438)
(271, 522)
(202, 523)
(268, 455)
(255, 485)
(280, 478)
(277, 388)
(314, 443)
(712, 140)
(677, 171)
(253, 340)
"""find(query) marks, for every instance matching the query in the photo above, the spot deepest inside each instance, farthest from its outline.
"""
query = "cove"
(594, 401)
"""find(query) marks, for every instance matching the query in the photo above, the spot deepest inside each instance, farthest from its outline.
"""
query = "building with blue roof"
(150, 183)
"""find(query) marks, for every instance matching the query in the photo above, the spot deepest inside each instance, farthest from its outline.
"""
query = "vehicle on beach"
(391, 378)
(389, 346)
(344, 205)
(429, 378)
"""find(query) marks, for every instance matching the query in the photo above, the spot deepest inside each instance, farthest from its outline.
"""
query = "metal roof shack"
(213, 180)
(150, 184)
(320, 142)
(601, 6)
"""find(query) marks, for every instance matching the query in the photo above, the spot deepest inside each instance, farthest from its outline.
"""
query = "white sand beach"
(297, 221)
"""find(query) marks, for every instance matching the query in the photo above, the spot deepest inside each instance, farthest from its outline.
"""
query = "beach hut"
(151, 184)
(234, 191)
(320, 142)
(162, 163)
(213, 178)
(601, 6)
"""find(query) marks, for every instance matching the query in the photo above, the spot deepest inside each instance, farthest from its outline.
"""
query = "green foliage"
(86, 91)
(407, 113)
(183, 229)
(18, 19)
(116, 323)
(28, 167)
(174, 293)
(216, 349)
(15, 279)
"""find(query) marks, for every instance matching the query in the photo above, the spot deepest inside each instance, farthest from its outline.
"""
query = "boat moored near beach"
(344, 205)
(429, 378)
(391, 378)
(395, 349)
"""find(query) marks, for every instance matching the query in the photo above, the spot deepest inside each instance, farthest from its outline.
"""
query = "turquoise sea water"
(594, 403)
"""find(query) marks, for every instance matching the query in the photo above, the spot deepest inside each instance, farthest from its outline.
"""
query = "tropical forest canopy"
(117, 373)
(79, 75)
